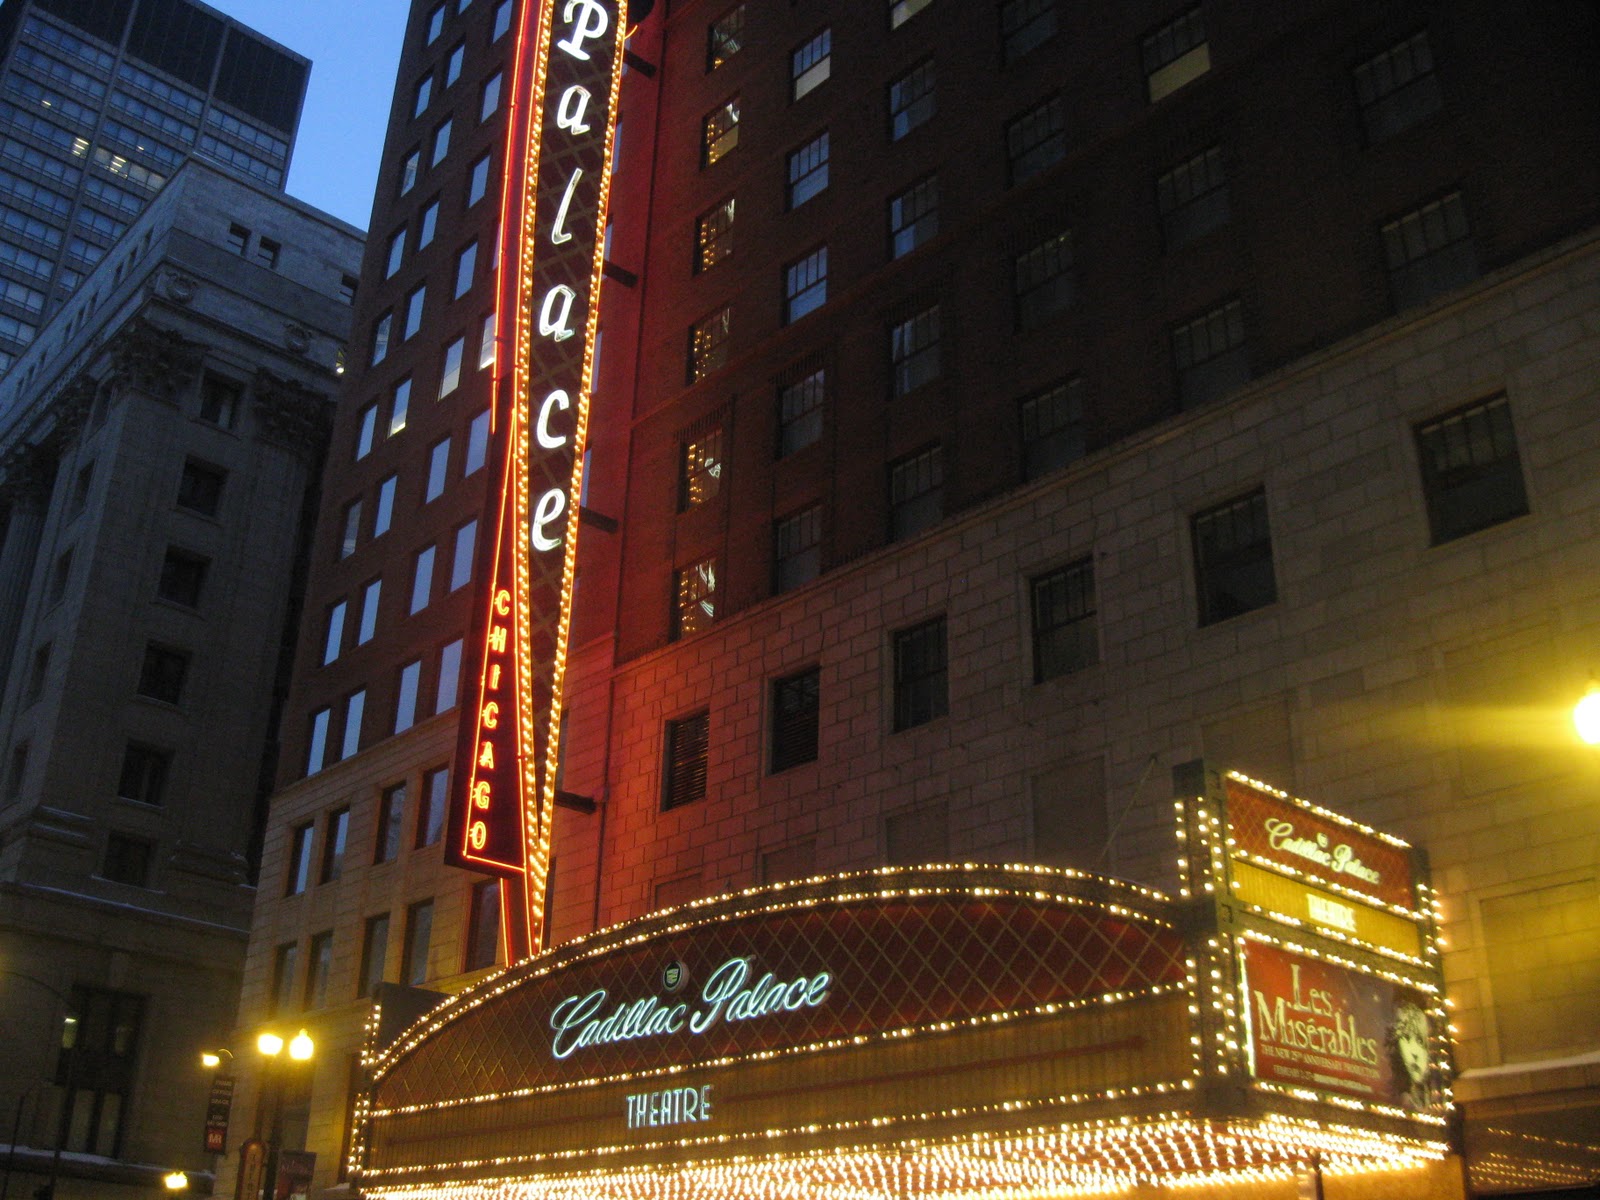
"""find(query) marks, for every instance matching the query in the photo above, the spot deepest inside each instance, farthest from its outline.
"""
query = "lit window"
(1025, 24)
(452, 66)
(370, 595)
(429, 223)
(1043, 280)
(797, 549)
(1398, 88)
(438, 467)
(724, 37)
(384, 515)
(413, 321)
(1193, 198)
(400, 406)
(913, 217)
(713, 235)
(333, 642)
(422, 579)
(720, 131)
(396, 253)
(808, 170)
(405, 702)
(450, 374)
(490, 102)
(916, 492)
(350, 531)
(466, 267)
(810, 64)
(477, 444)
(1036, 140)
(1471, 469)
(700, 468)
(914, 351)
(1211, 355)
(461, 564)
(1175, 54)
(441, 144)
(800, 412)
(318, 749)
(1233, 558)
(449, 677)
(423, 94)
(708, 344)
(688, 742)
(901, 11)
(792, 737)
(366, 430)
(1052, 428)
(694, 598)
(805, 285)
(920, 675)
(1429, 252)
(1063, 621)
(911, 100)
(478, 180)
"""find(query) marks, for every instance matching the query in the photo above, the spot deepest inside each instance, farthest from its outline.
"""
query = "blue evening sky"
(353, 46)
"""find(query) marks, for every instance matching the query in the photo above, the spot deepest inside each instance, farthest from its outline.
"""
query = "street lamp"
(176, 1181)
(271, 1046)
(1586, 715)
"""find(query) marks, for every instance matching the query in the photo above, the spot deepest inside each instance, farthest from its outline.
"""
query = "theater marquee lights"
(561, 122)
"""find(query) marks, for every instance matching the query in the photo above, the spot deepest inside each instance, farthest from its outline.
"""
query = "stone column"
(25, 491)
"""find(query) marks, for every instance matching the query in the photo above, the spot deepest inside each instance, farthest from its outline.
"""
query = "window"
(461, 562)
(374, 952)
(316, 753)
(80, 489)
(400, 406)
(405, 702)
(914, 351)
(422, 579)
(901, 11)
(369, 612)
(719, 131)
(502, 20)
(450, 373)
(161, 675)
(381, 333)
(391, 810)
(1429, 251)
(688, 742)
(1063, 620)
(319, 965)
(1043, 280)
(127, 860)
(419, 930)
(333, 839)
(800, 412)
(810, 64)
(483, 926)
(453, 64)
(1036, 140)
(477, 444)
(1398, 88)
(428, 224)
(299, 876)
(805, 285)
(182, 576)
(1025, 24)
(144, 773)
(355, 707)
(1175, 54)
(38, 672)
(911, 100)
(17, 772)
(430, 813)
(808, 170)
(441, 144)
(1210, 355)
(334, 641)
(1052, 428)
(478, 180)
(350, 531)
(713, 235)
(219, 401)
(916, 492)
(285, 962)
(794, 721)
(466, 267)
(913, 216)
(1193, 198)
(238, 239)
(413, 321)
(449, 677)
(724, 37)
(423, 94)
(366, 430)
(920, 688)
(1233, 558)
(489, 102)
(695, 603)
(396, 253)
(267, 252)
(438, 469)
(347, 288)
(1471, 470)
(61, 576)
(100, 1036)
(200, 487)
(486, 344)
(708, 344)
(797, 549)
(384, 516)
(410, 168)
(435, 26)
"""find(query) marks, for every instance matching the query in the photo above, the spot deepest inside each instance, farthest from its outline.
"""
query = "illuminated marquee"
(561, 122)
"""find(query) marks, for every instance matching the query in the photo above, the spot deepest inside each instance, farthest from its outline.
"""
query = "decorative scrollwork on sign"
(157, 362)
(290, 413)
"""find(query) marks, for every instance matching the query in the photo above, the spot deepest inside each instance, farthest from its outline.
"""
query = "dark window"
(794, 720)
(911, 101)
(1025, 24)
(724, 37)
(805, 285)
(396, 254)
(38, 672)
(700, 468)
(200, 487)
(161, 675)
(800, 412)
(901, 11)
(808, 170)
(1052, 428)
(391, 811)
(410, 168)
(1429, 251)
(381, 332)
(1471, 471)
(1036, 140)
(430, 813)
(914, 351)
(347, 288)
(810, 65)
(333, 839)
(267, 252)
(419, 932)
(238, 239)
(1175, 54)
(80, 489)
(61, 576)
(797, 549)
(219, 401)
(100, 1037)
(1063, 621)
(144, 773)
(1193, 198)
(913, 216)
(695, 598)
(17, 772)
(483, 926)
(719, 131)
(1210, 355)
(502, 20)
(1233, 558)
(916, 492)
(1398, 88)
(299, 874)
(285, 964)
(414, 305)
(708, 344)
(374, 953)
(434, 27)
(920, 688)
(688, 742)
(319, 964)
(1043, 280)
(713, 235)
(127, 860)
(182, 576)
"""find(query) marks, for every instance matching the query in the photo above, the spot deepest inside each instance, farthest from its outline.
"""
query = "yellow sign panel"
(1324, 910)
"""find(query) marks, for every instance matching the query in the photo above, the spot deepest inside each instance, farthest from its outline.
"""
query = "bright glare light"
(300, 1047)
(270, 1044)
(1586, 716)
(209, 1058)
(176, 1181)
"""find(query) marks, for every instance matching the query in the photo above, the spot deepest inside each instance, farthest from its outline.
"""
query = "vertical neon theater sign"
(561, 120)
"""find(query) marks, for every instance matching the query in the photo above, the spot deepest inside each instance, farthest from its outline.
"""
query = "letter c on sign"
(551, 441)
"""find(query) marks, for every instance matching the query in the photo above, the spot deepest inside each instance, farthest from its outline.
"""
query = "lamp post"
(271, 1046)
(1586, 715)
(71, 1086)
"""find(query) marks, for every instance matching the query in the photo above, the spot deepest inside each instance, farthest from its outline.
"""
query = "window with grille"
(1210, 354)
(794, 720)
(700, 468)
(1193, 198)
(805, 285)
(694, 598)
(483, 926)
(1398, 88)
(1429, 251)
(1471, 470)
(916, 492)
(800, 412)
(708, 344)
(1063, 621)
(1176, 54)
(914, 351)
(1053, 433)
(719, 131)
(1233, 558)
(911, 101)
(724, 37)
(1036, 140)
(1025, 24)
(688, 742)
(1043, 280)
(808, 170)
(713, 235)
(810, 65)
(797, 549)
(913, 216)
(920, 682)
